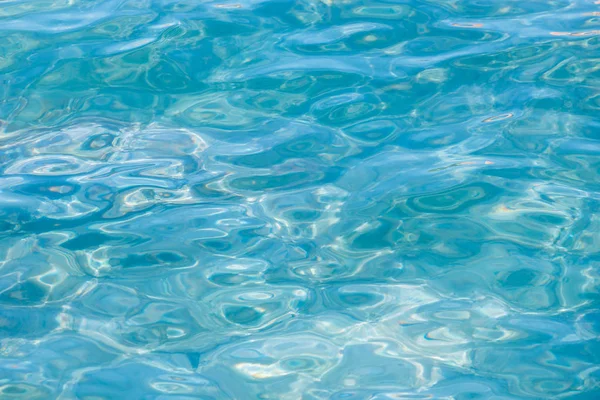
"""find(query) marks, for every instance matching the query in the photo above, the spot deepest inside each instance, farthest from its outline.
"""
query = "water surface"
(274, 199)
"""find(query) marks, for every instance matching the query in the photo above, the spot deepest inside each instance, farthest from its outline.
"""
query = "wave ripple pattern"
(310, 199)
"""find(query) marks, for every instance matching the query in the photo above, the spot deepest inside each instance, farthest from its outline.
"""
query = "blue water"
(299, 200)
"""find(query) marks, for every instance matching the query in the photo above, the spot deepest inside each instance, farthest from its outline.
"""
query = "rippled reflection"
(331, 199)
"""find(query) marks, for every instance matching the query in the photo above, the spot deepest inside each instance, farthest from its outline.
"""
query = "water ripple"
(314, 199)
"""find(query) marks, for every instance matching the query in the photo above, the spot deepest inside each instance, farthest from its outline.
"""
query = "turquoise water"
(312, 199)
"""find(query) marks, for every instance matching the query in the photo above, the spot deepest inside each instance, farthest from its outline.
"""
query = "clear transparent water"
(333, 199)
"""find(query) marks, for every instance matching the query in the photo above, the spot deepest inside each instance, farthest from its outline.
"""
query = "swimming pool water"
(311, 199)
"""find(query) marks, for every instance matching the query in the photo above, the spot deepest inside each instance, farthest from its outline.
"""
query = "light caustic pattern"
(306, 199)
